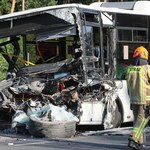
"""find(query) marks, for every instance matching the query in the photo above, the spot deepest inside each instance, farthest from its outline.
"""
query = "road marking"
(33, 143)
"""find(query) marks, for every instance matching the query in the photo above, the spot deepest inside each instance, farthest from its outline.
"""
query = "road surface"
(115, 139)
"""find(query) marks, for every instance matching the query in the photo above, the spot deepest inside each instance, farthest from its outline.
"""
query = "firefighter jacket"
(138, 78)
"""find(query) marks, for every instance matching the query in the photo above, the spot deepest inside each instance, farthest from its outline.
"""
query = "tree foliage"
(5, 5)
(83, 1)
(39, 3)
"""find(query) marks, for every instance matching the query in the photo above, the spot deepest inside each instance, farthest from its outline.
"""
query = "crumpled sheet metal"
(46, 113)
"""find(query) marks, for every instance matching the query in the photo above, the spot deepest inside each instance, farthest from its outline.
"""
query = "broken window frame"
(98, 24)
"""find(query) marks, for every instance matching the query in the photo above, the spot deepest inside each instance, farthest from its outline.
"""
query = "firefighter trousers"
(139, 124)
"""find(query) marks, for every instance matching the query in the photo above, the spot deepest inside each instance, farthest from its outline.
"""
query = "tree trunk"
(23, 5)
(13, 6)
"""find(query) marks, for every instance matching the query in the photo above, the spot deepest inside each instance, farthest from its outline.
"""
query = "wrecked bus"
(70, 57)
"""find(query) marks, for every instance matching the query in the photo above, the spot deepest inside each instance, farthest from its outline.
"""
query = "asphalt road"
(115, 139)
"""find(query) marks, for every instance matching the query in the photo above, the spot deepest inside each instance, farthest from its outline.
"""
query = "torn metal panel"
(19, 118)
(65, 13)
(63, 66)
(49, 113)
(110, 110)
(36, 24)
(6, 83)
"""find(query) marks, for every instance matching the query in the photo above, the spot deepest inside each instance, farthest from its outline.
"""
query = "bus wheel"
(49, 129)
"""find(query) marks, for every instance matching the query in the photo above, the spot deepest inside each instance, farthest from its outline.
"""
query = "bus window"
(92, 45)
(88, 40)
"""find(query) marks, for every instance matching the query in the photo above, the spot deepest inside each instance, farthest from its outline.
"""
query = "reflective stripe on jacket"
(138, 84)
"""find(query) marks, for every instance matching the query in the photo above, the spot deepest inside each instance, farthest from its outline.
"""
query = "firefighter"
(138, 76)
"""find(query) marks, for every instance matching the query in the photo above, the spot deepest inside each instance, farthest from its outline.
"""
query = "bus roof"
(139, 7)
(42, 19)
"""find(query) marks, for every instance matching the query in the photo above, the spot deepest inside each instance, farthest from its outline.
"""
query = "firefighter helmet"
(142, 52)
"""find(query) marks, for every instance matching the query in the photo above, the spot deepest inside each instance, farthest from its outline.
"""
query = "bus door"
(92, 45)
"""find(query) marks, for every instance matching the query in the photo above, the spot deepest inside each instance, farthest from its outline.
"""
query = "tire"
(40, 128)
(116, 118)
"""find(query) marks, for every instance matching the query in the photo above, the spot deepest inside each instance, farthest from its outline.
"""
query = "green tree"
(5, 6)
(39, 3)
(83, 1)
(76, 1)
